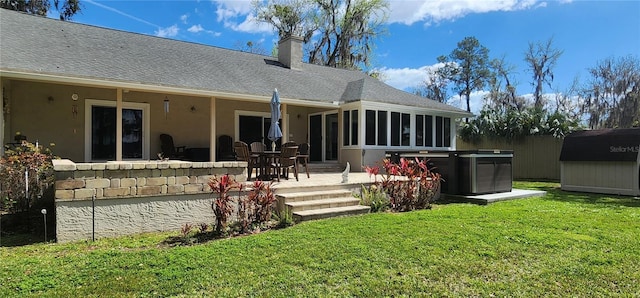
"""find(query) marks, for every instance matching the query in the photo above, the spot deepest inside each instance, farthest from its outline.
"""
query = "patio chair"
(287, 160)
(242, 154)
(289, 144)
(257, 147)
(169, 150)
(303, 156)
(225, 149)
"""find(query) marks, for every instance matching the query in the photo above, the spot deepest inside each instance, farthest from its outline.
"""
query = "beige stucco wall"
(33, 114)
(225, 114)
(190, 128)
(50, 121)
(353, 156)
(298, 124)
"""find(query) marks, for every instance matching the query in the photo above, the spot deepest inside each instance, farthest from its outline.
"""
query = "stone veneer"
(118, 198)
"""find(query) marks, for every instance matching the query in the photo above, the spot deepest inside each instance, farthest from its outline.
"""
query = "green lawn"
(564, 244)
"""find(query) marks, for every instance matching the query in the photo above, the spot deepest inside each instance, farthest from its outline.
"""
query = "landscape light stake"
(44, 214)
(93, 217)
(26, 184)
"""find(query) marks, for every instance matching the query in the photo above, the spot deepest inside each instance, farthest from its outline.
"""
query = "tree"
(289, 17)
(66, 8)
(251, 47)
(612, 97)
(569, 101)
(471, 70)
(509, 123)
(541, 58)
(500, 97)
(437, 81)
(345, 29)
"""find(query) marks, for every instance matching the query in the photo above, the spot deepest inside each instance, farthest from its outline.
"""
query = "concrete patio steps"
(322, 204)
(330, 212)
(324, 167)
(315, 195)
(317, 204)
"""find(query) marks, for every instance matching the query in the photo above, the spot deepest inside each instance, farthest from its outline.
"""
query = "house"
(107, 95)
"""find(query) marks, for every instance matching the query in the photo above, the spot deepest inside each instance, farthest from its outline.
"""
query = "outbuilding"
(602, 161)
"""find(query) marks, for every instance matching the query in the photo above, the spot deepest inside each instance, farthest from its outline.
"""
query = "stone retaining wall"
(119, 198)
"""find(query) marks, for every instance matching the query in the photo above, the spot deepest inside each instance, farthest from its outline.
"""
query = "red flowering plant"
(373, 171)
(223, 205)
(410, 185)
(255, 209)
(263, 199)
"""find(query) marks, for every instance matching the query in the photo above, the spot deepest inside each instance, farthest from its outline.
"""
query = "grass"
(563, 244)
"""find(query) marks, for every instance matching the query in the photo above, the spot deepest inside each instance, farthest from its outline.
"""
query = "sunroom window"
(400, 129)
(350, 128)
(443, 131)
(424, 130)
(376, 127)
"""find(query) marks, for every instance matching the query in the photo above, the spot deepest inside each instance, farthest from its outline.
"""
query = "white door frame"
(238, 113)
(90, 103)
(324, 131)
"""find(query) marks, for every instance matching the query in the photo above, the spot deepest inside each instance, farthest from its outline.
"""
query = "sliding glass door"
(101, 131)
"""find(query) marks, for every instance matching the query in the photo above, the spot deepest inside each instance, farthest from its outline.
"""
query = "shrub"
(254, 210)
(223, 205)
(262, 198)
(284, 218)
(375, 198)
(19, 191)
(410, 185)
(186, 229)
(203, 227)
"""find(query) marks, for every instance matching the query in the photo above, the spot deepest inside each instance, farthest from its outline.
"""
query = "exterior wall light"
(166, 107)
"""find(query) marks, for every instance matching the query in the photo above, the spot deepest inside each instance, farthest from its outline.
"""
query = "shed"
(602, 161)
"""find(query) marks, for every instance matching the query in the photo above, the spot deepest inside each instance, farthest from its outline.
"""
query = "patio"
(356, 180)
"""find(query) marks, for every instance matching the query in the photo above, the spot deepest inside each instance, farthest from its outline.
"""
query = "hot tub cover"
(621, 144)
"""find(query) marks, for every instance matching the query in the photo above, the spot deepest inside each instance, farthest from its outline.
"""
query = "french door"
(323, 136)
(100, 131)
(254, 127)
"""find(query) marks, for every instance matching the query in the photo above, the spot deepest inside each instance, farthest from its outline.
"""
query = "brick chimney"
(290, 52)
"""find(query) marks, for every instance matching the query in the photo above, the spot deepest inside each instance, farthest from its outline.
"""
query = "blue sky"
(418, 31)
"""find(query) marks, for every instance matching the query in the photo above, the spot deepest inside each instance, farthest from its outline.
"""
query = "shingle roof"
(39, 45)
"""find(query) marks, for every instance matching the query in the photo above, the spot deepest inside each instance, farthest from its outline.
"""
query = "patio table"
(266, 157)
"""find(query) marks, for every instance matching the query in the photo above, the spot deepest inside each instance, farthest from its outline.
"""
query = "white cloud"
(184, 18)
(198, 28)
(195, 28)
(167, 32)
(250, 25)
(476, 101)
(231, 9)
(434, 11)
(237, 15)
(407, 78)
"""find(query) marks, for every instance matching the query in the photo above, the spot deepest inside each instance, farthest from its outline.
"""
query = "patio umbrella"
(274, 130)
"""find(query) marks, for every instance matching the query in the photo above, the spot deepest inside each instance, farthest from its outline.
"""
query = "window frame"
(350, 127)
